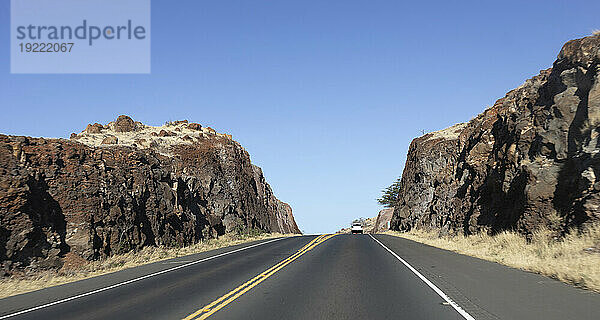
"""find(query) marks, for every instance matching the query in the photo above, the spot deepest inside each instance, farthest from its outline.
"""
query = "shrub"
(389, 198)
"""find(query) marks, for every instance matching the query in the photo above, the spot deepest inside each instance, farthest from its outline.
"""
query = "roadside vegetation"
(389, 196)
(76, 268)
(574, 259)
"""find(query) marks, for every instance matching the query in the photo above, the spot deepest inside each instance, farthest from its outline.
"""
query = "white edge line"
(437, 290)
(135, 279)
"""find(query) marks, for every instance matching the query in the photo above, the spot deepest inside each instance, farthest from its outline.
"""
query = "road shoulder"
(488, 290)
(85, 286)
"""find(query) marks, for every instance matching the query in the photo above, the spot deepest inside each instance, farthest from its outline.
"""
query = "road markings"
(227, 298)
(437, 290)
(134, 280)
(208, 307)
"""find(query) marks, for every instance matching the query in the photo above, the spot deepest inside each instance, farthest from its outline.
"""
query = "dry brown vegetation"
(77, 268)
(574, 259)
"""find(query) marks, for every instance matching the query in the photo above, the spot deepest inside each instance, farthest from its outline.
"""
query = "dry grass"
(575, 259)
(596, 32)
(82, 269)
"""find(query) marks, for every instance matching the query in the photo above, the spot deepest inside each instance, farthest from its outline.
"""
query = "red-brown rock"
(165, 133)
(194, 126)
(124, 124)
(94, 128)
(61, 199)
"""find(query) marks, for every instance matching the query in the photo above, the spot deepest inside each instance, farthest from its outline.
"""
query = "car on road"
(356, 228)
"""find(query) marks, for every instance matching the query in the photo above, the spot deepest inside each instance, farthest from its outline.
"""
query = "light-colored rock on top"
(450, 133)
(135, 134)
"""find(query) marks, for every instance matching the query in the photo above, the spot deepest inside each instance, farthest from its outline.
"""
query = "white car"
(356, 228)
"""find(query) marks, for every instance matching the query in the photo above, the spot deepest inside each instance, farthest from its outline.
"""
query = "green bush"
(389, 198)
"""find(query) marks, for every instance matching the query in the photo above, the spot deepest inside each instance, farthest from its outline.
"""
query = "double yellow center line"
(224, 300)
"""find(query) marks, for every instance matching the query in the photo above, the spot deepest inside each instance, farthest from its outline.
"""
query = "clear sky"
(325, 95)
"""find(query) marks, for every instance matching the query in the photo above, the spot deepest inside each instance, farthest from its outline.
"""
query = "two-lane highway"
(349, 277)
(312, 277)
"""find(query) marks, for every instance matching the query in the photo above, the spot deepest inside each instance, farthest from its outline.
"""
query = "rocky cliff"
(382, 221)
(123, 186)
(530, 160)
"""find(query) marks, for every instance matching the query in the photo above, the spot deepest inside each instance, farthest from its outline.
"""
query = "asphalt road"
(310, 277)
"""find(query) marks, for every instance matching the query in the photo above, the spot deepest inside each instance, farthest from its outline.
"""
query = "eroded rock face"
(59, 196)
(382, 223)
(285, 219)
(530, 160)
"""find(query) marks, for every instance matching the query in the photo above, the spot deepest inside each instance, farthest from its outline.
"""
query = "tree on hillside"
(389, 196)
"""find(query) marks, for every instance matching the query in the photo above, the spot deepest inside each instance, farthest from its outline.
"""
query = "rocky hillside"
(122, 186)
(530, 160)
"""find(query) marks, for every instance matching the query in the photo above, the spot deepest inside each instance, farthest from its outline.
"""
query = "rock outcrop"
(85, 197)
(382, 222)
(530, 160)
(124, 124)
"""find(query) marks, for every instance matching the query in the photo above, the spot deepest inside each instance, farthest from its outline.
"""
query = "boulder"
(110, 140)
(124, 124)
(194, 126)
(165, 133)
(94, 128)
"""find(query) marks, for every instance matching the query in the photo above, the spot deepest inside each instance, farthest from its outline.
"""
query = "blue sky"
(325, 95)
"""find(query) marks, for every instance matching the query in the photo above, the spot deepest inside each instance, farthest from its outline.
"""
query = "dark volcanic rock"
(60, 196)
(165, 133)
(530, 160)
(124, 124)
(94, 128)
(194, 126)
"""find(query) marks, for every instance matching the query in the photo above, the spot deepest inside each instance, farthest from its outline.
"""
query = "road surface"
(312, 277)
